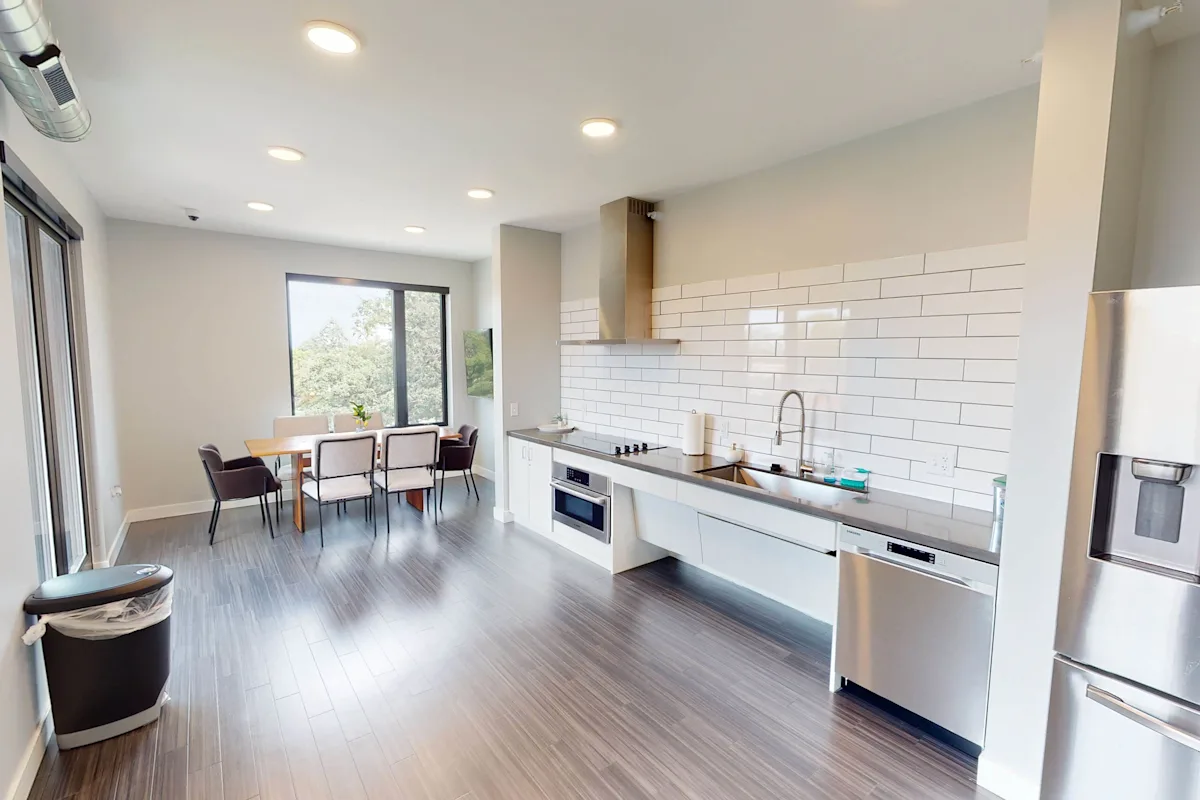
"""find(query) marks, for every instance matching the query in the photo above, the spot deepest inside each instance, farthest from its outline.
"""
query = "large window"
(379, 344)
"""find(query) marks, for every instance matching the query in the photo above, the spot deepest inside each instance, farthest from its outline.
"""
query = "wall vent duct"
(34, 70)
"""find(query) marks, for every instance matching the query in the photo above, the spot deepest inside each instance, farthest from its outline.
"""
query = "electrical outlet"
(512, 409)
(116, 491)
(940, 462)
(723, 430)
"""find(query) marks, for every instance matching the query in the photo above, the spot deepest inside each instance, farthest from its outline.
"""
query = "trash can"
(106, 639)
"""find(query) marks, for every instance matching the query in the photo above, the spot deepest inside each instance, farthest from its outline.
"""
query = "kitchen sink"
(782, 484)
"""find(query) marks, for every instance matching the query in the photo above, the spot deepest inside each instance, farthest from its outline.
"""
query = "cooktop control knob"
(627, 450)
(617, 450)
(645, 447)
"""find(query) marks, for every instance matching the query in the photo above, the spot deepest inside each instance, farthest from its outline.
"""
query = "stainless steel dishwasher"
(914, 625)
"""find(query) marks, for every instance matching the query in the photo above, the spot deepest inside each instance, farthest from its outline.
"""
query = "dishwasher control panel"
(911, 552)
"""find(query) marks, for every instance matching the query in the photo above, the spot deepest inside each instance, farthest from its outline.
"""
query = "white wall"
(21, 698)
(1168, 244)
(200, 322)
(484, 407)
(955, 180)
(526, 271)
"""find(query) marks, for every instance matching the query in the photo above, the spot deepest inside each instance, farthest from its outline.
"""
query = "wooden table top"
(299, 445)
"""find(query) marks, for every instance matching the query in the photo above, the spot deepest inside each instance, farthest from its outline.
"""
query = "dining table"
(299, 449)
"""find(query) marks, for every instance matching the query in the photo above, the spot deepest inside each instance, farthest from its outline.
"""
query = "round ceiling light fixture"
(284, 153)
(481, 194)
(331, 37)
(598, 127)
(256, 205)
(413, 229)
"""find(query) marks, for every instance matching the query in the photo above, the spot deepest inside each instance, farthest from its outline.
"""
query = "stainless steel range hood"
(626, 274)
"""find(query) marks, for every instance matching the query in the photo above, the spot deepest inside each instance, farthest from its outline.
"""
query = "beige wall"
(1168, 243)
(22, 695)
(958, 179)
(200, 322)
(484, 407)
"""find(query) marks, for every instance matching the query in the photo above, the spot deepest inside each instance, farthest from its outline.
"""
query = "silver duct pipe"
(35, 72)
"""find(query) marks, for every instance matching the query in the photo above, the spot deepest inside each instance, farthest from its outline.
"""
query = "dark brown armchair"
(239, 479)
(459, 456)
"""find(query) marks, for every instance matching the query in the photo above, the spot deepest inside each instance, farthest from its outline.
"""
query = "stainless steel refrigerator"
(1125, 698)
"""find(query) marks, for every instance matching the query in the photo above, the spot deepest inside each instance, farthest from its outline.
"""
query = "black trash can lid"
(96, 587)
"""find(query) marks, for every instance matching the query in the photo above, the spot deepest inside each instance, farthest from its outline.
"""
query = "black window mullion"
(445, 369)
(399, 352)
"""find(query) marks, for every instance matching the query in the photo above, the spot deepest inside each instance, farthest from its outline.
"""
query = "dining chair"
(347, 423)
(239, 479)
(342, 469)
(459, 457)
(312, 425)
(409, 458)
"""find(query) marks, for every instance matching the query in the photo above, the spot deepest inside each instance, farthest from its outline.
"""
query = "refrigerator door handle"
(1114, 703)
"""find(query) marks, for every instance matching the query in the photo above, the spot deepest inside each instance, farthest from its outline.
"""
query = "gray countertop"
(955, 529)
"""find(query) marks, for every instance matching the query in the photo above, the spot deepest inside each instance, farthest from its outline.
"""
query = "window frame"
(399, 338)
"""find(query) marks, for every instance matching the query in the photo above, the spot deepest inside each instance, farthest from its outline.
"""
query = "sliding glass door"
(37, 255)
(382, 345)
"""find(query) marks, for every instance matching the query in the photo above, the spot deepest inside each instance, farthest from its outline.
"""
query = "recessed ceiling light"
(413, 229)
(284, 153)
(331, 37)
(255, 205)
(598, 128)
(481, 194)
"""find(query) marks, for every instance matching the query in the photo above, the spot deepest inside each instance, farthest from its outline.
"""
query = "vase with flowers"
(361, 417)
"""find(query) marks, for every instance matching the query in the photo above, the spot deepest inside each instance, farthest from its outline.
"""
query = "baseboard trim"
(1004, 782)
(22, 782)
(502, 514)
(174, 510)
(114, 550)
(484, 472)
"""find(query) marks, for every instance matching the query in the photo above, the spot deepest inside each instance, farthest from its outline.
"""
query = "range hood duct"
(35, 72)
(626, 273)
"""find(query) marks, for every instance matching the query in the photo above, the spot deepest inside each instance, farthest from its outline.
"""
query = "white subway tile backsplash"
(879, 348)
(918, 285)
(936, 368)
(840, 366)
(927, 410)
(720, 302)
(704, 288)
(876, 426)
(873, 309)
(823, 348)
(991, 371)
(899, 359)
(983, 502)
(813, 312)
(680, 306)
(665, 293)
(986, 347)
(780, 297)
(764, 347)
(994, 325)
(885, 268)
(987, 416)
(856, 290)
(780, 330)
(750, 316)
(812, 276)
(971, 436)
(877, 387)
(752, 283)
(922, 327)
(793, 366)
(992, 255)
(996, 394)
(997, 302)
(844, 329)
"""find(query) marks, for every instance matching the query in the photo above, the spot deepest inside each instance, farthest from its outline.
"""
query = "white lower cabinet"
(529, 484)
(794, 575)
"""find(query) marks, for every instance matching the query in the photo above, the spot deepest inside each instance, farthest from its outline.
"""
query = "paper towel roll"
(693, 434)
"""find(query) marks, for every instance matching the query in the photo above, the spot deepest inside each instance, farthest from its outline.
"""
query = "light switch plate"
(512, 409)
(940, 462)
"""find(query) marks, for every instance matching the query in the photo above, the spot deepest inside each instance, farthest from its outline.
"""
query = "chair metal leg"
(387, 514)
(474, 484)
(370, 501)
(270, 523)
(435, 512)
(321, 523)
(212, 522)
(442, 494)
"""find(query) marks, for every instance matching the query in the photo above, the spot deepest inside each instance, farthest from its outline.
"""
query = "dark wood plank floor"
(474, 661)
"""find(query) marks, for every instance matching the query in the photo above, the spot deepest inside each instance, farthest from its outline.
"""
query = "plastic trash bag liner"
(107, 621)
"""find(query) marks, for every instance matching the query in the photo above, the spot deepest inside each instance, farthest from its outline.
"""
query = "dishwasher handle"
(924, 573)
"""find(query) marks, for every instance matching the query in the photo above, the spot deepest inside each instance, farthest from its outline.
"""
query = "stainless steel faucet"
(779, 426)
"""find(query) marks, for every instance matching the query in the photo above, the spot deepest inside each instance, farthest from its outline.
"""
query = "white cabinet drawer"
(794, 526)
(795, 576)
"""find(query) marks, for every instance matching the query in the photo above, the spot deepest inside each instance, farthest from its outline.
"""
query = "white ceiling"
(452, 94)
